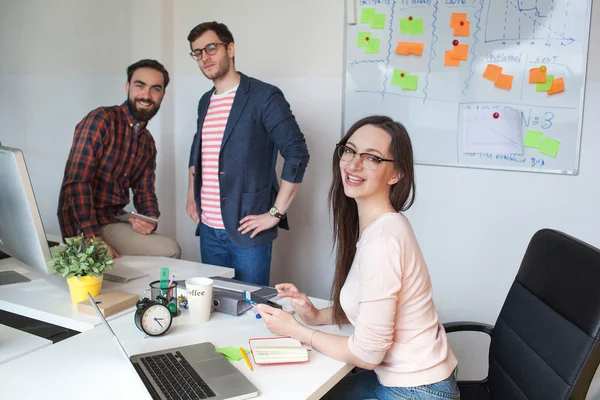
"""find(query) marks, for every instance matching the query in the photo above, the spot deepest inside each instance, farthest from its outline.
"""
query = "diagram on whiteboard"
(433, 65)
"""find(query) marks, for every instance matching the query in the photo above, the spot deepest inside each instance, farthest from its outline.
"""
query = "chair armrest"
(461, 326)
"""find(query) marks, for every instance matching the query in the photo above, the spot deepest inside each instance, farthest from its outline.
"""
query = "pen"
(246, 358)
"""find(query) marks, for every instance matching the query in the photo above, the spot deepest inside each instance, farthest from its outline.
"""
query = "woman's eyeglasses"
(369, 161)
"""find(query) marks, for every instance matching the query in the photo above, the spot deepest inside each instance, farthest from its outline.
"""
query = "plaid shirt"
(107, 158)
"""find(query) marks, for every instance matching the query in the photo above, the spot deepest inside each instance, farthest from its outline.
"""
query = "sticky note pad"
(231, 353)
(460, 52)
(558, 85)
(407, 48)
(409, 82)
(462, 30)
(372, 46)
(537, 76)
(544, 87)
(378, 21)
(366, 15)
(492, 72)
(449, 61)
(504, 81)
(456, 18)
(362, 38)
(397, 77)
(533, 139)
(550, 147)
(411, 27)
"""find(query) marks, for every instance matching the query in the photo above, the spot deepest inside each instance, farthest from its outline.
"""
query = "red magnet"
(462, 23)
(410, 18)
(455, 42)
(367, 38)
(496, 115)
(402, 74)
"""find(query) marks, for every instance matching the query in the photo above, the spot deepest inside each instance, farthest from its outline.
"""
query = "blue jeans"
(251, 264)
(365, 385)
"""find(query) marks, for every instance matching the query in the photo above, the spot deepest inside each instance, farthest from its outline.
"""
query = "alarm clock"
(152, 317)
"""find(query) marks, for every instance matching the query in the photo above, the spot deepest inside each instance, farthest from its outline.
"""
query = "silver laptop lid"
(93, 303)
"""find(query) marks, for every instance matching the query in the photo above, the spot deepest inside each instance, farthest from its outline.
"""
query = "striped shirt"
(213, 129)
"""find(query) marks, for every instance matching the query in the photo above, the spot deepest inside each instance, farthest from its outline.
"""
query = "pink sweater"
(388, 298)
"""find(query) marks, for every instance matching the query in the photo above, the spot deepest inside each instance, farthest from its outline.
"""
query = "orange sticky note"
(460, 52)
(558, 85)
(449, 61)
(504, 81)
(403, 48)
(492, 72)
(536, 75)
(462, 30)
(407, 48)
(456, 18)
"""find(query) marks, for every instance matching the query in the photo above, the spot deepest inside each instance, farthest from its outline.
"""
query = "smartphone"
(256, 300)
(126, 215)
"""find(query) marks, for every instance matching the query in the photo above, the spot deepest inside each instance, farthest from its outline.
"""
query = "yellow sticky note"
(460, 52)
(533, 139)
(492, 72)
(558, 85)
(536, 75)
(456, 18)
(504, 81)
(449, 61)
(550, 147)
(463, 29)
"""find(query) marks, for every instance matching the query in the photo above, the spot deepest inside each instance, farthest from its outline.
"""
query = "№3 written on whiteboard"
(429, 63)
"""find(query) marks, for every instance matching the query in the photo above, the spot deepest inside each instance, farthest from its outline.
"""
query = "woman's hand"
(280, 322)
(300, 302)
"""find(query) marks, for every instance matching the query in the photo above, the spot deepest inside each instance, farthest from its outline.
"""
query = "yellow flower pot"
(80, 288)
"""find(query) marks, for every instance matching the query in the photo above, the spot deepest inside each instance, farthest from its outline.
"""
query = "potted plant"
(82, 262)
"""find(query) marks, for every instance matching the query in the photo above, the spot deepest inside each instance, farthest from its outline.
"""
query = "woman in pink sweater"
(381, 283)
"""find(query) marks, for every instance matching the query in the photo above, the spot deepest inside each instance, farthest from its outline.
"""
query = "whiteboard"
(515, 35)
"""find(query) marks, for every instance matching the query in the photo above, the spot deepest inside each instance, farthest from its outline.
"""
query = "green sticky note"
(378, 21)
(397, 78)
(410, 82)
(544, 87)
(411, 27)
(366, 15)
(362, 36)
(533, 139)
(231, 353)
(372, 46)
(550, 147)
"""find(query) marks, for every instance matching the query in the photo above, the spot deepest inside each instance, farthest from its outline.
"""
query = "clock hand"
(156, 319)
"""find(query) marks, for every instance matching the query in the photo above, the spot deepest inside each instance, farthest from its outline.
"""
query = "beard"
(142, 114)
(220, 72)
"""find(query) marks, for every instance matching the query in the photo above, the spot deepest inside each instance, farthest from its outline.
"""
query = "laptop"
(197, 371)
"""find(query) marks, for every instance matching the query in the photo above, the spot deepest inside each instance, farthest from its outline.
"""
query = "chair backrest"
(545, 343)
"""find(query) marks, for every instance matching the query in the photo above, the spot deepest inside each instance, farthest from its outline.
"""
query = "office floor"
(44, 330)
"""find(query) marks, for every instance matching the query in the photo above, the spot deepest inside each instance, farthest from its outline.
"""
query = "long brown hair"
(345, 212)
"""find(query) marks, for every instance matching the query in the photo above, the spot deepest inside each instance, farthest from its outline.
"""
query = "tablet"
(126, 215)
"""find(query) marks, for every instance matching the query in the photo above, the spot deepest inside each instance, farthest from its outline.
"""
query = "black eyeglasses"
(210, 49)
(369, 161)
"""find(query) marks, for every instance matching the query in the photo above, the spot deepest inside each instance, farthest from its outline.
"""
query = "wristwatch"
(274, 212)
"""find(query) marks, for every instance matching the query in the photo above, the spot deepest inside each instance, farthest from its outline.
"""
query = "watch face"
(272, 211)
(156, 320)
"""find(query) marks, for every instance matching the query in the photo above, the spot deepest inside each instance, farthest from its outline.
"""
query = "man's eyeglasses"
(210, 49)
(369, 161)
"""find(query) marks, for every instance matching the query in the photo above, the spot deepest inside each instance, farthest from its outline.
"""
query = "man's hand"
(140, 226)
(257, 223)
(112, 251)
(192, 210)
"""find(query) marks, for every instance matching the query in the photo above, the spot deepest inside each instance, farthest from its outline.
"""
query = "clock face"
(156, 320)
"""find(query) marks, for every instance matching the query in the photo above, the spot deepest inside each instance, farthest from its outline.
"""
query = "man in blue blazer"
(234, 194)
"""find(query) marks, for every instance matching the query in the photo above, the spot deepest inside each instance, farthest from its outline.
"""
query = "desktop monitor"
(22, 234)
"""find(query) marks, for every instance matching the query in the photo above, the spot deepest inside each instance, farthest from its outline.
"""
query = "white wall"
(473, 225)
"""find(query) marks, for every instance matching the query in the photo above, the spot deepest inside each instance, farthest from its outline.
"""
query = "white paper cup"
(199, 296)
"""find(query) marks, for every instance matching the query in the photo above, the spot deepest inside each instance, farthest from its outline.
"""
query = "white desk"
(91, 365)
(15, 343)
(47, 298)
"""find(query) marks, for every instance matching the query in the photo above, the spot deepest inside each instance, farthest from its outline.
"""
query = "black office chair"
(546, 342)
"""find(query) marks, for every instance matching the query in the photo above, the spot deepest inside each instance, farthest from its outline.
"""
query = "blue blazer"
(260, 124)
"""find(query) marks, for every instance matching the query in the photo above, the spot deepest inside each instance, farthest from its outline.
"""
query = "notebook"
(277, 350)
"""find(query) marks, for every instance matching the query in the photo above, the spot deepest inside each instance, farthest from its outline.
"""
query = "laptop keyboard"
(176, 377)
